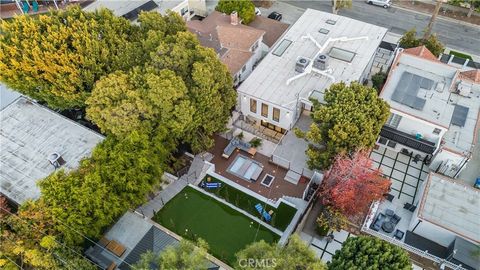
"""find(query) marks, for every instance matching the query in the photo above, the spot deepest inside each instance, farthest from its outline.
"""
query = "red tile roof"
(472, 75)
(421, 51)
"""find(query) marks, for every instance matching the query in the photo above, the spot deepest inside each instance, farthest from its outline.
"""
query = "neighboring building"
(34, 142)
(441, 225)
(434, 110)
(318, 50)
(123, 244)
(273, 29)
(131, 9)
(238, 46)
(11, 8)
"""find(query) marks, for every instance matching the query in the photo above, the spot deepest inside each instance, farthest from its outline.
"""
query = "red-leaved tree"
(351, 184)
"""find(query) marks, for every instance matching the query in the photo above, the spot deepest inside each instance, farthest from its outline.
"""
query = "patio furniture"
(116, 248)
(266, 216)
(398, 234)
(395, 219)
(409, 207)
(378, 222)
(237, 143)
(388, 226)
(389, 197)
(389, 213)
(112, 266)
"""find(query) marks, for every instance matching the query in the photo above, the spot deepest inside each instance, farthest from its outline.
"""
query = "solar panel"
(407, 90)
(459, 116)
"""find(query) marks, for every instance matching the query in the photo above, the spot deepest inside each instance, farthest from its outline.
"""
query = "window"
(276, 114)
(253, 105)
(244, 68)
(341, 54)
(437, 131)
(264, 110)
(323, 31)
(391, 144)
(332, 22)
(282, 47)
(393, 120)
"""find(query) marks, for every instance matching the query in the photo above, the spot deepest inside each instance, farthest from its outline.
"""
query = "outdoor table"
(389, 212)
(388, 226)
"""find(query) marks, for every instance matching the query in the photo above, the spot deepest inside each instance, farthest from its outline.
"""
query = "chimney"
(234, 18)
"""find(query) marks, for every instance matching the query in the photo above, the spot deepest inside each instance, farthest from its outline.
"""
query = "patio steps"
(292, 177)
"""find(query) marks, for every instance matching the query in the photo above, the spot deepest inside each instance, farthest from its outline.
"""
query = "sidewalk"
(447, 12)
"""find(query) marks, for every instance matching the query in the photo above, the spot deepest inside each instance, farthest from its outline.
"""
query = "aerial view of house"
(239, 134)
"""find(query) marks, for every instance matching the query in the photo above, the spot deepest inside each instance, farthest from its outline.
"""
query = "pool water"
(244, 167)
(237, 164)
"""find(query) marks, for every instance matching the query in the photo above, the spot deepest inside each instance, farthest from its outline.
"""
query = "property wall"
(256, 57)
(286, 116)
(199, 7)
(183, 5)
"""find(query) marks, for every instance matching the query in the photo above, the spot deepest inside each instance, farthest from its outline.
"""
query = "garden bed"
(281, 218)
(192, 214)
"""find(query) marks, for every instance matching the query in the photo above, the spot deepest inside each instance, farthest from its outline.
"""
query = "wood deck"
(279, 186)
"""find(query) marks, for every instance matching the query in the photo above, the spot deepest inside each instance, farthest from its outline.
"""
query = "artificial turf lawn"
(282, 216)
(226, 230)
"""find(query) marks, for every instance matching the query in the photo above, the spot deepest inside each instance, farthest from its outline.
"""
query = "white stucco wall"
(432, 232)
(412, 125)
(286, 116)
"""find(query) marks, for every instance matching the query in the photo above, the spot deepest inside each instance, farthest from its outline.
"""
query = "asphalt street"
(454, 35)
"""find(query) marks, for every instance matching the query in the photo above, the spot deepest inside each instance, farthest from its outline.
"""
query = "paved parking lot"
(405, 174)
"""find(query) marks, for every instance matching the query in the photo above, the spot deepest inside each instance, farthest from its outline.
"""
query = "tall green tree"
(351, 118)
(410, 40)
(244, 8)
(295, 255)
(122, 102)
(369, 253)
(185, 256)
(339, 4)
(57, 57)
(118, 176)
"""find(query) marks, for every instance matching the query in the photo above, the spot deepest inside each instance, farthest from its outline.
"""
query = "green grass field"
(192, 214)
(282, 216)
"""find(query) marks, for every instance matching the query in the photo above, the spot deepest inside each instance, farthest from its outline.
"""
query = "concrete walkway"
(194, 175)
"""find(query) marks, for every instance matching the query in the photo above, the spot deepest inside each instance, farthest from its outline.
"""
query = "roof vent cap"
(56, 160)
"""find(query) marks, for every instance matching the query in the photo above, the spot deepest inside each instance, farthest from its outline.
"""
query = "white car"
(382, 3)
(258, 12)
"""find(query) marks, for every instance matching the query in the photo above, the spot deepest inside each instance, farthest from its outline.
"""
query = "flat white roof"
(119, 8)
(7, 96)
(439, 101)
(452, 205)
(29, 133)
(268, 81)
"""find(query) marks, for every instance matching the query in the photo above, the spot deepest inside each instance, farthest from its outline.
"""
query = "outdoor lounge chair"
(377, 224)
(395, 219)
(398, 234)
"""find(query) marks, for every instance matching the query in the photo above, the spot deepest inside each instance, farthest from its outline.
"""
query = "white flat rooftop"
(269, 80)
(439, 101)
(7, 96)
(29, 133)
(452, 205)
(119, 8)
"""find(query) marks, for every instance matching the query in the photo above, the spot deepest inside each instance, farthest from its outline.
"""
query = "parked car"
(275, 16)
(258, 12)
(382, 3)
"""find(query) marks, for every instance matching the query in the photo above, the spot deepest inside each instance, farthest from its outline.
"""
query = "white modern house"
(441, 225)
(316, 51)
(434, 111)
(36, 141)
(131, 9)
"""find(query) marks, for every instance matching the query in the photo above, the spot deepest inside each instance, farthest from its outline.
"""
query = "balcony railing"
(408, 140)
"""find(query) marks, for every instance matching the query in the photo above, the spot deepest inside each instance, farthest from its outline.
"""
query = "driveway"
(455, 35)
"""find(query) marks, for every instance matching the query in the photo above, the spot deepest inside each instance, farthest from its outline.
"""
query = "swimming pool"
(246, 168)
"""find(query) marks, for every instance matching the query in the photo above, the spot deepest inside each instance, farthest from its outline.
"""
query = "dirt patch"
(428, 8)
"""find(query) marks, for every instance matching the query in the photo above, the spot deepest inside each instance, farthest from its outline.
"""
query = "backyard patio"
(273, 188)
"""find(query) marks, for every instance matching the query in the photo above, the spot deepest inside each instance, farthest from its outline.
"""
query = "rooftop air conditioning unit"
(56, 160)
(321, 62)
(301, 64)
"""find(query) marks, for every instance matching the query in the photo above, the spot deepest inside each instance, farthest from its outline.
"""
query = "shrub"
(379, 79)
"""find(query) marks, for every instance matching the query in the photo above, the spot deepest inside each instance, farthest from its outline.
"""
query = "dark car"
(275, 16)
